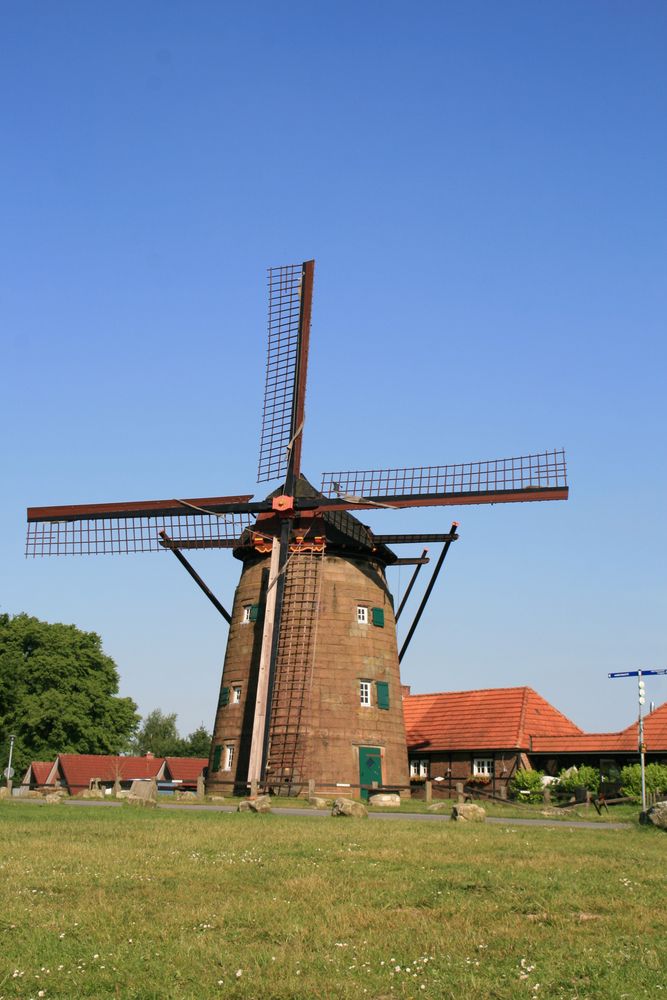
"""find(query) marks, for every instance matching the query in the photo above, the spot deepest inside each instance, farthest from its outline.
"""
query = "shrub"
(631, 780)
(527, 781)
(583, 776)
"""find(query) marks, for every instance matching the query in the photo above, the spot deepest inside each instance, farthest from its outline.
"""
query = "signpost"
(641, 700)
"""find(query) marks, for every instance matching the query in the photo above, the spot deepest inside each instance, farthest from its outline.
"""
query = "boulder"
(143, 793)
(317, 803)
(92, 793)
(386, 799)
(186, 797)
(657, 815)
(124, 793)
(4, 792)
(469, 812)
(260, 804)
(348, 807)
(436, 807)
(216, 798)
(53, 798)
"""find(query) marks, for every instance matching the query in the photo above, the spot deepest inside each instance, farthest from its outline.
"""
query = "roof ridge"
(436, 694)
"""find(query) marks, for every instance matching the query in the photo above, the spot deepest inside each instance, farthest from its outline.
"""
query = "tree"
(59, 692)
(198, 743)
(158, 735)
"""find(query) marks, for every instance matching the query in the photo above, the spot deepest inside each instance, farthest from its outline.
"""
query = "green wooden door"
(370, 767)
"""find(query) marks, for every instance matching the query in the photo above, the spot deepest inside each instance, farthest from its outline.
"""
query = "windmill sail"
(541, 476)
(290, 298)
(96, 529)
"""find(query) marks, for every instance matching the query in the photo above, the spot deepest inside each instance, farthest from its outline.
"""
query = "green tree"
(59, 692)
(158, 735)
(198, 743)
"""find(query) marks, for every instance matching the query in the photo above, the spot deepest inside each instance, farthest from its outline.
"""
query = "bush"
(527, 781)
(631, 780)
(583, 776)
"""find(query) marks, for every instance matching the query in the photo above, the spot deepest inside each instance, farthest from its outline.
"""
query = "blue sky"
(483, 188)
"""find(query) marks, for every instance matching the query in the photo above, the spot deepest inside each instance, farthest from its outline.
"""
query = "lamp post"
(9, 772)
(641, 700)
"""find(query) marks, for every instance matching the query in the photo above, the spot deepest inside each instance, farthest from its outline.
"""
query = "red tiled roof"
(186, 769)
(40, 772)
(489, 719)
(78, 770)
(626, 741)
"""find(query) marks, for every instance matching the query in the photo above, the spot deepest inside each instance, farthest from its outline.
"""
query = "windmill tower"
(311, 685)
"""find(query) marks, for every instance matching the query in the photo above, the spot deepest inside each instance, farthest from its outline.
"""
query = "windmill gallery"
(311, 687)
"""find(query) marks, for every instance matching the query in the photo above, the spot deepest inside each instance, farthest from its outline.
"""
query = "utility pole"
(641, 700)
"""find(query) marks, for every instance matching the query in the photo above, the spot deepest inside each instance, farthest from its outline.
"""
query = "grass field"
(150, 905)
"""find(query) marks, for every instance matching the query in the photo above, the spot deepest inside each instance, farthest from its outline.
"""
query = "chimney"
(405, 690)
(149, 754)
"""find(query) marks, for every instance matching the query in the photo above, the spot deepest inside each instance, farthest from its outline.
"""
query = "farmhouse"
(482, 737)
(479, 737)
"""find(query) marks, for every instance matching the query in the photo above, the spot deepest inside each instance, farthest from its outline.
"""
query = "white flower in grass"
(239, 973)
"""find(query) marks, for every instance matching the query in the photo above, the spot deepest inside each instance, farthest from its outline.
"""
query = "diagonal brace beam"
(168, 544)
(429, 589)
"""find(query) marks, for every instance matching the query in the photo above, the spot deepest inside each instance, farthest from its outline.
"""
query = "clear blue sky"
(483, 188)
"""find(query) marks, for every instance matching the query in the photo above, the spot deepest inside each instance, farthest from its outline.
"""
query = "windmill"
(310, 686)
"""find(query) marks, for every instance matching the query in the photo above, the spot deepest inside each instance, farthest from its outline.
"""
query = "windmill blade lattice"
(531, 473)
(281, 367)
(113, 535)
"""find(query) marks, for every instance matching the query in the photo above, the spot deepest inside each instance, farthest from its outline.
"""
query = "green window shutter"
(254, 611)
(217, 754)
(224, 697)
(378, 617)
(382, 694)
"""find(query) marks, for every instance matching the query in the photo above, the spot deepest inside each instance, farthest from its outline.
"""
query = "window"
(483, 766)
(365, 693)
(250, 612)
(382, 689)
(224, 697)
(378, 617)
(217, 754)
(236, 694)
(419, 768)
(362, 615)
(229, 757)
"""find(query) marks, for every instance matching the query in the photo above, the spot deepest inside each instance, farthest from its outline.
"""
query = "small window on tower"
(250, 612)
(229, 757)
(365, 694)
(362, 614)
(236, 694)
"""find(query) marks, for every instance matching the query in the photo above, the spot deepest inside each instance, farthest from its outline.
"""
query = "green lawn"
(121, 902)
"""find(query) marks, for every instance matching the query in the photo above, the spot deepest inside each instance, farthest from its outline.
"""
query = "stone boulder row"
(385, 799)
(657, 815)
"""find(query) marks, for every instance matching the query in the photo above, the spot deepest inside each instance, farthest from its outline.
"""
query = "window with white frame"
(365, 693)
(246, 614)
(236, 694)
(483, 766)
(419, 768)
(229, 757)
(362, 614)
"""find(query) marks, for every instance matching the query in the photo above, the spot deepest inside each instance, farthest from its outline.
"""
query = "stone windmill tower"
(311, 685)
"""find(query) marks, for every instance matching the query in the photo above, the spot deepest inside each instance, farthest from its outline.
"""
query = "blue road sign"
(638, 673)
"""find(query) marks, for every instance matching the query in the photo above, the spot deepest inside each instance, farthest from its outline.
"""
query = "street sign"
(8, 773)
(638, 673)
